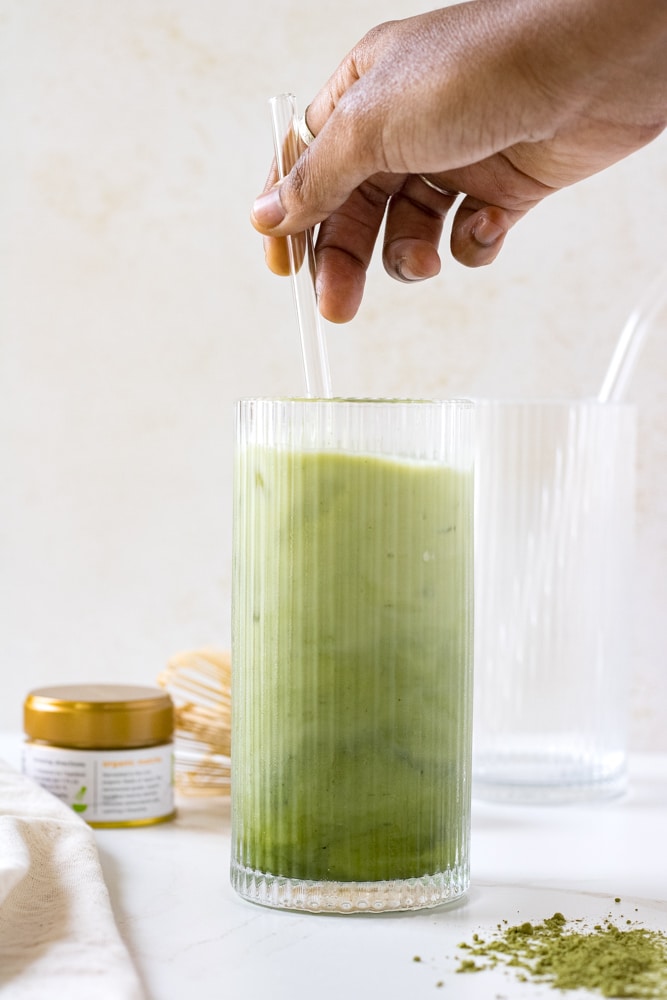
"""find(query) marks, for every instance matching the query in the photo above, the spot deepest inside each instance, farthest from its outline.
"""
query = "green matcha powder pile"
(610, 961)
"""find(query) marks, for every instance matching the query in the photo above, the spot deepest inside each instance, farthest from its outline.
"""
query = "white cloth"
(58, 936)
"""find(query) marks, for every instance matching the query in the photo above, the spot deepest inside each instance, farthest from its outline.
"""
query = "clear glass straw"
(631, 340)
(301, 256)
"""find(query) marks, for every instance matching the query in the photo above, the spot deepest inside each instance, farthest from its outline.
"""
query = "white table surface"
(191, 936)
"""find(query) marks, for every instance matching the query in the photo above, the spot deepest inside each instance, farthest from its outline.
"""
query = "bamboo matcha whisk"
(199, 682)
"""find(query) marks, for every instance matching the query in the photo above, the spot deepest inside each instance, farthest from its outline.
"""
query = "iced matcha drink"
(352, 665)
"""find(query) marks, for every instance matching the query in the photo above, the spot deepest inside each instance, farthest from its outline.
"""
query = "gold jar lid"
(99, 716)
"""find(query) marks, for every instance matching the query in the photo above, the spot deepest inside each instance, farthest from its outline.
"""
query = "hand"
(498, 102)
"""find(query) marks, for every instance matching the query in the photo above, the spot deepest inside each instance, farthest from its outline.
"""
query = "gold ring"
(436, 187)
(306, 135)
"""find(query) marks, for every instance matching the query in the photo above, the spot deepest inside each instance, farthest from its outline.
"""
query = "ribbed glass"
(352, 653)
(553, 612)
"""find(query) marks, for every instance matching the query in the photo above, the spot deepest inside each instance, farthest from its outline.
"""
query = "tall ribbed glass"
(352, 653)
(553, 614)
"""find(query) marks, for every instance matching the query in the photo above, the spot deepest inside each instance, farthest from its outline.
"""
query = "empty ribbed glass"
(352, 653)
(553, 611)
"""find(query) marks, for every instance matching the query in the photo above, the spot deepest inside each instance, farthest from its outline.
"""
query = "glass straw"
(301, 256)
(631, 340)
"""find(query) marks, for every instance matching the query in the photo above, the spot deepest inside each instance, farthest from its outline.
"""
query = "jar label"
(106, 786)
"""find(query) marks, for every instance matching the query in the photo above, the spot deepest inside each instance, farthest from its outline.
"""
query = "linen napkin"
(58, 937)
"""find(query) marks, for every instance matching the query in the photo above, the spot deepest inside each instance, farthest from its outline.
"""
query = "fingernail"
(406, 272)
(485, 232)
(268, 210)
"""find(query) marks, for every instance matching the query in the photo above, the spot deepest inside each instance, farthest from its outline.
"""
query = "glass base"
(546, 779)
(349, 897)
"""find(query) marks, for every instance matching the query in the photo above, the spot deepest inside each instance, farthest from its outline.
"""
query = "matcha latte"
(351, 660)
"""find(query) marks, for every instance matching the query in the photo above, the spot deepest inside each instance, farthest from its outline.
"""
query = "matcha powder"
(569, 955)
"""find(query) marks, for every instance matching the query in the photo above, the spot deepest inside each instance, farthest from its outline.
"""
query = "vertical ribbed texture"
(352, 652)
(554, 544)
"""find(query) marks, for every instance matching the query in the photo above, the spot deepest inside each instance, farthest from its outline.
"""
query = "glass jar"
(352, 653)
(104, 749)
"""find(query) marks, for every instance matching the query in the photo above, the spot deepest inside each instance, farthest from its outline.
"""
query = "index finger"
(345, 245)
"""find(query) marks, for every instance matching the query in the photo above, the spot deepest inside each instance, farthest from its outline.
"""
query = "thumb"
(341, 156)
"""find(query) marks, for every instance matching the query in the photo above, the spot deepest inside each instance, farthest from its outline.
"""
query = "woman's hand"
(497, 103)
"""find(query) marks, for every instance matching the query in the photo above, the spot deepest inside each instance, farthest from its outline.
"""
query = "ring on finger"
(304, 132)
(436, 187)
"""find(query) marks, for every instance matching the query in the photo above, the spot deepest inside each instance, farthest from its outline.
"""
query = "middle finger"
(413, 228)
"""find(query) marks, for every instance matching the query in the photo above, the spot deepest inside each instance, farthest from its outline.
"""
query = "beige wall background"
(135, 307)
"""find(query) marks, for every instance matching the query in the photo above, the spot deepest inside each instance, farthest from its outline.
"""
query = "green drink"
(351, 656)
